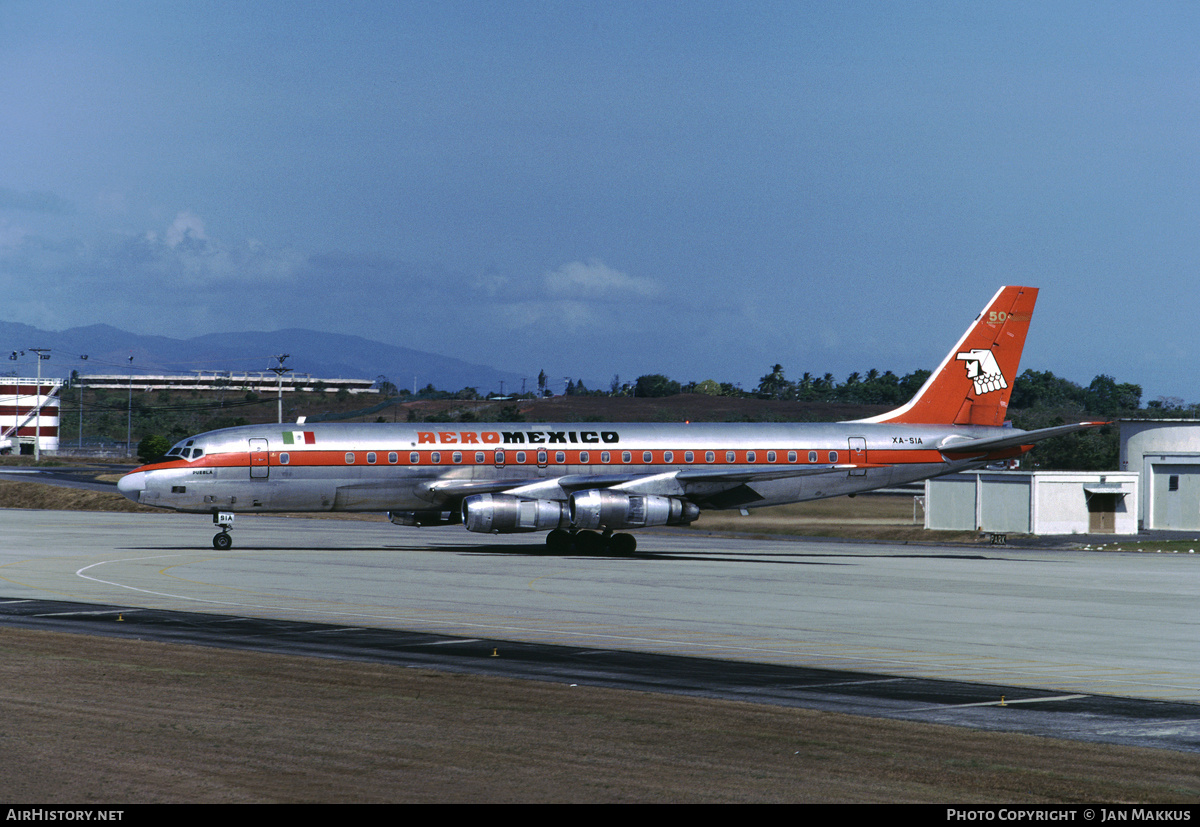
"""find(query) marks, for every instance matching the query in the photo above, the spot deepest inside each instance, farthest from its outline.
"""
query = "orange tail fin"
(973, 383)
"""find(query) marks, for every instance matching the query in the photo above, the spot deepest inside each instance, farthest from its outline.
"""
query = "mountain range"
(321, 355)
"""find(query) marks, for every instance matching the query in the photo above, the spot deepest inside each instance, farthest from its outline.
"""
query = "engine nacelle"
(615, 509)
(424, 517)
(506, 514)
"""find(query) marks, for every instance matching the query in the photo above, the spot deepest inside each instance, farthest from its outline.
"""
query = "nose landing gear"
(223, 521)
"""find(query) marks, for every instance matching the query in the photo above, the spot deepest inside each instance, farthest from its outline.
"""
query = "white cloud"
(594, 278)
(186, 226)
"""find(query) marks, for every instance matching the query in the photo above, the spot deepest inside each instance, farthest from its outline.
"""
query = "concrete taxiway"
(1099, 623)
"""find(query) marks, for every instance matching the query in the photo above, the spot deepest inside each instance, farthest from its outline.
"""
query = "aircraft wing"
(670, 483)
(996, 443)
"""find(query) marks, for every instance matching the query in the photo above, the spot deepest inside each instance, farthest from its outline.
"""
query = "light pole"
(42, 353)
(82, 358)
(279, 370)
(129, 418)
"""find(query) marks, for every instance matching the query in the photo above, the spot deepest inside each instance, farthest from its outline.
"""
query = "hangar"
(1166, 454)
(1034, 502)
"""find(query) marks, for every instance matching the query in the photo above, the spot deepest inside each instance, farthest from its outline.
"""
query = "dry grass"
(97, 720)
(56, 498)
(875, 517)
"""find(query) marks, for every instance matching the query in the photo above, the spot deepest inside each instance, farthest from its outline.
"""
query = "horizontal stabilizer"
(996, 443)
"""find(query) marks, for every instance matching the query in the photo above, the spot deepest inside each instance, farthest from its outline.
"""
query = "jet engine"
(605, 509)
(506, 514)
(424, 517)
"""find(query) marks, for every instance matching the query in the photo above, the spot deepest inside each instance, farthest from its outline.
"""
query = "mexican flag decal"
(299, 438)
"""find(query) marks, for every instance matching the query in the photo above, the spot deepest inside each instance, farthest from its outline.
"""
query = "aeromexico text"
(517, 437)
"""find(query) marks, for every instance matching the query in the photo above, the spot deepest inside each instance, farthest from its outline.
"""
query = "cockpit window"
(183, 450)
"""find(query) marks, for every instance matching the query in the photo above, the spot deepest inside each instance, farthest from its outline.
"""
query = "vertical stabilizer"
(973, 383)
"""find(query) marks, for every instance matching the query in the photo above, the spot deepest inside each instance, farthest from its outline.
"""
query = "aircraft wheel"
(623, 544)
(223, 542)
(558, 540)
(588, 542)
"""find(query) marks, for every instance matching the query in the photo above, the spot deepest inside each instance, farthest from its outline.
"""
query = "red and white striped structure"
(29, 413)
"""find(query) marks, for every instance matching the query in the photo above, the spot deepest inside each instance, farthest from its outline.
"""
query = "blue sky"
(698, 189)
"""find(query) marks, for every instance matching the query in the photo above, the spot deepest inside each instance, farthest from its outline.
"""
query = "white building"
(28, 414)
(259, 381)
(1034, 502)
(1166, 453)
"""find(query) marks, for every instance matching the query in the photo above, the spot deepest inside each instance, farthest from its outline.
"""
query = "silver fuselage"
(424, 466)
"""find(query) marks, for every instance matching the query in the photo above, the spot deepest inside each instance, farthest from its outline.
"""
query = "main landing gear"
(223, 521)
(590, 542)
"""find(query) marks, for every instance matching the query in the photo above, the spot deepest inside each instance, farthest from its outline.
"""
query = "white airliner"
(582, 482)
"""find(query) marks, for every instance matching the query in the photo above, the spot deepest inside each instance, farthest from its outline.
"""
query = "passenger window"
(584, 456)
(370, 457)
(647, 456)
(812, 456)
(833, 456)
(560, 457)
(668, 456)
(393, 458)
(750, 456)
(457, 457)
(284, 458)
(349, 457)
(770, 456)
(626, 457)
(479, 458)
(414, 458)
(435, 457)
(730, 456)
(791, 456)
(520, 457)
(709, 456)
(688, 456)
(605, 457)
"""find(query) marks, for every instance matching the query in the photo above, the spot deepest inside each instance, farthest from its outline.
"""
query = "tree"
(1105, 396)
(385, 388)
(773, 385)
(655, 384)
(152, 447)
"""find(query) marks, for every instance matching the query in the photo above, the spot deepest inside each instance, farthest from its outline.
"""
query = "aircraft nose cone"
(132, 485)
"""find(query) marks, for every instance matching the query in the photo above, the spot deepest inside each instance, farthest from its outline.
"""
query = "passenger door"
(260, 457)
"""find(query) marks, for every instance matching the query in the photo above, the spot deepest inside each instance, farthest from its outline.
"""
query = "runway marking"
(97, 612)
(1005, 702)
(846, 683)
